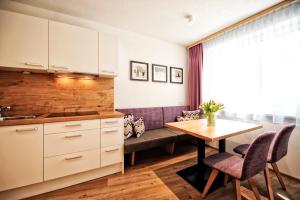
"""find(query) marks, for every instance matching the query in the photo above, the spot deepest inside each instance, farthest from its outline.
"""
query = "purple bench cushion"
(171, 112)
(150, 139)
(153, 117)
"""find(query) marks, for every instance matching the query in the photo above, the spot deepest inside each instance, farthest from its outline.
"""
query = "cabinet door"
(72, 48)
(21, 156)
(108, 55)
(23, 41)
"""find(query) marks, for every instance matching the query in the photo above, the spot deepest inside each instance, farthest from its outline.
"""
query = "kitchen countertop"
(43, 118)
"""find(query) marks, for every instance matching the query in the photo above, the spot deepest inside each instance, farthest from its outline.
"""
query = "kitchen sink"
(72, 114)
(19, 117)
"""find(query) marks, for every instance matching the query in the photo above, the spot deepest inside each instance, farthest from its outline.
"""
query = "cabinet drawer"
(70, 142)
(61, 127)
(111, 136)
(59, 166)
(111, 155)
(111, 122)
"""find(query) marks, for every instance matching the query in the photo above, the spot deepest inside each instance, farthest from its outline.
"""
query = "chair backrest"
(279, 146)
(256, 157)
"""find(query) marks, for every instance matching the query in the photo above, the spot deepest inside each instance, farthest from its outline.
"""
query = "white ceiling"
(162, 19)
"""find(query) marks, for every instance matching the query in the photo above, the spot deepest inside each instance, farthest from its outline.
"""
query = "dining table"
(197, 175)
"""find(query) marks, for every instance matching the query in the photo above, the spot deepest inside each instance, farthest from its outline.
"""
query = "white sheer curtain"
(255, 69)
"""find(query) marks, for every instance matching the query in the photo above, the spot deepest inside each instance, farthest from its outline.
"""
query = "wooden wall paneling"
(47, 93)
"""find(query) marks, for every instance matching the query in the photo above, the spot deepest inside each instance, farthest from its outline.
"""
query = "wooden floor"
(154, 177)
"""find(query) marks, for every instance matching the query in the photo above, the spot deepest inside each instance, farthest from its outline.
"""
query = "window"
(255, 69)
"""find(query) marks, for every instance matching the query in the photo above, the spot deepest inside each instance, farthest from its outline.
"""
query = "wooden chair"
(278, 149)
(241, 168)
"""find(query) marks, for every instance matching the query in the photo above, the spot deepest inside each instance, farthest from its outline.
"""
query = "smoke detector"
(190, 19)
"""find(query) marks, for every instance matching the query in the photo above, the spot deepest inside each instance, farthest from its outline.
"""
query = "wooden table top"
(222, 129)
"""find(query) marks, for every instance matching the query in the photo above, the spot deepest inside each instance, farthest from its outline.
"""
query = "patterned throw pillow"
(192, 114)
(128, 130)
(182, 118)
(139, 127)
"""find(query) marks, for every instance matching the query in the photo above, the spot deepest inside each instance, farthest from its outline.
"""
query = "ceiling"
(163, 19)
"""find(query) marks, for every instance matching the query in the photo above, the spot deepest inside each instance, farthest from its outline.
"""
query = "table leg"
(222, 148)
(197, 175)
(222, 145)
(201, 154)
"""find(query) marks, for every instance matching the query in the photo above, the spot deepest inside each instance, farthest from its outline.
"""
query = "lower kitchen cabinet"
(63, 165)
(111, 155)
(21, 155)
(37, 153)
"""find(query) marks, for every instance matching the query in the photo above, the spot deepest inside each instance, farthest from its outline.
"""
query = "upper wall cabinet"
(108, 55)
(23, 41)
(72, 48)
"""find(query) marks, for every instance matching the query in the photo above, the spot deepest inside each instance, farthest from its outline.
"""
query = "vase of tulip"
(210, 108)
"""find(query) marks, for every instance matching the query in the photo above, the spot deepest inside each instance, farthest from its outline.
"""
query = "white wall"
(143, 94)
(133, 46)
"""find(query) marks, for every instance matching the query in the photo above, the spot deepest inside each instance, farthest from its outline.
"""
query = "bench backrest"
(156, 117)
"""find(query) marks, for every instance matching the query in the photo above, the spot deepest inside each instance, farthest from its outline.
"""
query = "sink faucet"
(3, 109)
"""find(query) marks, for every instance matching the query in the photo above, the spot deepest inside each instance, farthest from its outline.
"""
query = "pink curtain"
(195, 76)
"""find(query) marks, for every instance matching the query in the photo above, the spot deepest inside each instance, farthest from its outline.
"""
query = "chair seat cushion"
(227, 163)
(241, 149)
(149, 139)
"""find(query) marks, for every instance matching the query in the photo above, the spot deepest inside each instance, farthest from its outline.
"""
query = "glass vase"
(211, 119)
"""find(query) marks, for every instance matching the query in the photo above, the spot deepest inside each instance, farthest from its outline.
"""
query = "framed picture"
(138, 71)
(159, 73)
(176, 75)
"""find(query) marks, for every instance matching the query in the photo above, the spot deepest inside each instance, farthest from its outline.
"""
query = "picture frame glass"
(159, 73)
(176, 75)
(139, 71)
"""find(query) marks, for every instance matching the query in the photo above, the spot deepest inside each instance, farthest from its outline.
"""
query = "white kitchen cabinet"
(64, 165)
(108, 55)
(112, 136)
(21, 155)
(23, 41)
(111, 155)
(70, 142)
(72, 48)
(112, 141)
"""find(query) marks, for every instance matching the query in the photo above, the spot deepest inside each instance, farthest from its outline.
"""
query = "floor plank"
(154, 177)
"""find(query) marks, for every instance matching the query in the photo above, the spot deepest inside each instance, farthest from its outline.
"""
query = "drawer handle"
(72, 125)
(60, 67)
(26, 129)
(106, 71)
(73, 136)
(74, 157)
(110, 150)
(34, 64)
(111, 131)
(111, 122)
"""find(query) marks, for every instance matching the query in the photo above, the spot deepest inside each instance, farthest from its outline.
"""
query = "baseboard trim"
(286, 175)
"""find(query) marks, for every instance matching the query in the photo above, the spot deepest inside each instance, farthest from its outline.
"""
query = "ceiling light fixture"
(190, 19)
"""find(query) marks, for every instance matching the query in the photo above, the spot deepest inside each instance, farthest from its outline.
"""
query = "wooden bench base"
(169, 148)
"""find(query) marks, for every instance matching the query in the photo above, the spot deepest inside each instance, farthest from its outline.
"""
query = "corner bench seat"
(156, 134)
(150, 139)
